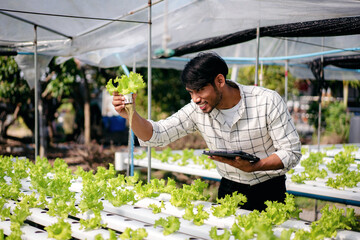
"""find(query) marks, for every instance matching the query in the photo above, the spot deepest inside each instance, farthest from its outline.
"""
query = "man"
(230, 116)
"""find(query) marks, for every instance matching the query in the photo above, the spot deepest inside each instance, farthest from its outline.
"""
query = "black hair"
(202, 70)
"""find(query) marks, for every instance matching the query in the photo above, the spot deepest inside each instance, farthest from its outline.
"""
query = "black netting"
(320, 28)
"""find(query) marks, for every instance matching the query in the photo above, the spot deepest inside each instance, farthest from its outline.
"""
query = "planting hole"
(74, 222)
(148, 225)
(39, 231)
(110, 214)
(43, 212)
(127, 219)
(136, 207)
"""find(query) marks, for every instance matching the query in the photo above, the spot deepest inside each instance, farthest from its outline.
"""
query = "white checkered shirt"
(261, 126)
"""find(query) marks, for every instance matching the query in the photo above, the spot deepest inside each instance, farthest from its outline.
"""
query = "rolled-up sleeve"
(172, 128)
(283, 133)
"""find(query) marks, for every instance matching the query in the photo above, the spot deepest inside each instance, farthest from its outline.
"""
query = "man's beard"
(217, 99)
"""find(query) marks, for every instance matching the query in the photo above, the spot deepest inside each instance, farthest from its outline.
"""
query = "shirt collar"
(215, 113)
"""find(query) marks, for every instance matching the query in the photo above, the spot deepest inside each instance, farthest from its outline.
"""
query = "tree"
(17, 99)
(273, 78)
(15, 95)
(60, 86)
(168, 93)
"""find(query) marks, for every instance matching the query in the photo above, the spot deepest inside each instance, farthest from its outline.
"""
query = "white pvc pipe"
(149, 90)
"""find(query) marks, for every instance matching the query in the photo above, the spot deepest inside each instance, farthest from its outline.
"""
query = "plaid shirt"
(261, 126)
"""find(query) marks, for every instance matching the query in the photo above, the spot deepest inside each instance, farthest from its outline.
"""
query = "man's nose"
(196, 98)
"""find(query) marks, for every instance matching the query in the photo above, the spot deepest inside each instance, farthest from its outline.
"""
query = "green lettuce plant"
(126, 84)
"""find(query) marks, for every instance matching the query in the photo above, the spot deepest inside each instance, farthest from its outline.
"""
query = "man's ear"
(220, 80)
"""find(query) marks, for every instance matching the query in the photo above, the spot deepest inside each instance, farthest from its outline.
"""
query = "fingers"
(118, 102)
(239, 163)
(221, 159)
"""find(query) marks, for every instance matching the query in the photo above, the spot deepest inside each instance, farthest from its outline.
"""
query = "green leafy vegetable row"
(167, 156)
(339, 165)
(52, 185)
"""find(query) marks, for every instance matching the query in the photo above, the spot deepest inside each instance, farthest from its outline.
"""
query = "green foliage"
(335, 120)
(13, 88)
(126, 84)
(168, 94)
(137, 234)
(60, 230)
(330, 222)
(261, 224)
(155, 208)
(341, 162)
(228, 205)
(214, 235)
(273, 78)
(167, 156)
(170, 224)
(277, 213)
(198, 217)
(347, 179)
(63, 79)
(255, 224)
(154, 188)
(181, 197)
(311, 168)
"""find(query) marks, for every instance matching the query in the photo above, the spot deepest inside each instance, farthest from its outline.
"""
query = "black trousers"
(272, 190)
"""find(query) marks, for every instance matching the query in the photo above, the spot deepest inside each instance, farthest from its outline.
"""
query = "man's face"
(207, 97)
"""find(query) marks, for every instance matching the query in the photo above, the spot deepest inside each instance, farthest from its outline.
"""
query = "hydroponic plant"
(105, 185)
(127, 85)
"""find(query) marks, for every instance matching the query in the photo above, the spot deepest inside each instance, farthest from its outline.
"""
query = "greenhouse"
(72, 167)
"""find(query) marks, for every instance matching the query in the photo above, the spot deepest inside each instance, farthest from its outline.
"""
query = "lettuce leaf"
(59, 230)
(126, 84)
(170, 224)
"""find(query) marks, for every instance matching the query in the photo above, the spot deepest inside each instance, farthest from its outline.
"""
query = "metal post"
(316, 209)
(286, 70)
(257, 54)
(149, 89)
(130, 163)
(261, 77)
(235, 68)
(36, 95)
(320, 93)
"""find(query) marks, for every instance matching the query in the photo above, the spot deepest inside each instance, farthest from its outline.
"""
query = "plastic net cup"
(128, 98)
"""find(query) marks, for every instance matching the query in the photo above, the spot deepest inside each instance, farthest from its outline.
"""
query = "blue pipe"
(126, 70)
(326, 198)
(280, 58)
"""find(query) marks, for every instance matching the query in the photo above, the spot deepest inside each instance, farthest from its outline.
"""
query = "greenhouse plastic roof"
(114, 32)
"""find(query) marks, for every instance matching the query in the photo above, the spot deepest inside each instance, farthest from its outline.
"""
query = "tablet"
(233, 154)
